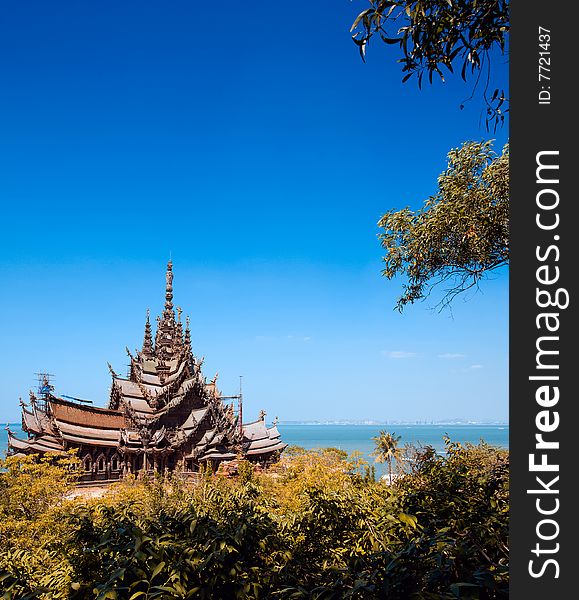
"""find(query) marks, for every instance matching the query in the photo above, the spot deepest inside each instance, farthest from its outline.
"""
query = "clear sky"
(250, 143)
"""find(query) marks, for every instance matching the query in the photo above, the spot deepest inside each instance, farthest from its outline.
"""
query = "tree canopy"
(460, 234)
(435, 36)
(387, 449)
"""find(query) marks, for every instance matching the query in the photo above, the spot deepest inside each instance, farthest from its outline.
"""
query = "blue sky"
(253, 146)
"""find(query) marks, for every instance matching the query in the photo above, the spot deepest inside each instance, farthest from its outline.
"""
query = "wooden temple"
(164, 416)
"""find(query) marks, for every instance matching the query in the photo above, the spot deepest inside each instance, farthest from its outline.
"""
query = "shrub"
(313, 527)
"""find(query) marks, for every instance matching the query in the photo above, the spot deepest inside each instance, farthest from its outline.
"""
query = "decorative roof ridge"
(210, 401)
(181, 376)
(129, 412)
(136, 368)
(82, 407)
(13, 436)
(152, 400)
(61, 422)
(128, 380)
(253, 422)
(30, 415)
(36, 409)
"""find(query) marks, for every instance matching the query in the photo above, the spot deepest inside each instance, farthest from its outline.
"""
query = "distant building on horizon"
(164, 416)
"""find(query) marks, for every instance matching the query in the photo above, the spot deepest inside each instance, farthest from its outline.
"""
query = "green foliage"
(294, 450)
(433, 35)
(32, 533)
(461, 502)
(460, 234)
(360, 470)
(217, 547)
(245, 471)
(337, 452)
(26, 479)
(314, 527)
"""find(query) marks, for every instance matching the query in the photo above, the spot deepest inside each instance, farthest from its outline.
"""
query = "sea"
(358, 437)
(353, 436)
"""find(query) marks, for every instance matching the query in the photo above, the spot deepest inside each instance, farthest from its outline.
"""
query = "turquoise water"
(359, 437)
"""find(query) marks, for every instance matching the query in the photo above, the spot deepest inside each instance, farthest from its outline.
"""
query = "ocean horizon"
(357, 436)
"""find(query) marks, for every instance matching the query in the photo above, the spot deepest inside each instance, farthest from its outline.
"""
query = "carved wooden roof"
(164, 403)
(86, 416)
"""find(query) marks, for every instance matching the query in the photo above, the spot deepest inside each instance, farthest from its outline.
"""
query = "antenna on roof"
(45, 387)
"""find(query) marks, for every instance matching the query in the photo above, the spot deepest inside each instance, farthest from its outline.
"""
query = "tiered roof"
(165, 405)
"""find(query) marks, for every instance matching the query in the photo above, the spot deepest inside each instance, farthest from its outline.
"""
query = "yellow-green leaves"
(460, 234)
(311, 528)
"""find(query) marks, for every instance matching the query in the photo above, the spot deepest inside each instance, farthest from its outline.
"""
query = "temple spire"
(169, 289)
(179, 326)
(187, 336)
(168, 341)
(148, 340)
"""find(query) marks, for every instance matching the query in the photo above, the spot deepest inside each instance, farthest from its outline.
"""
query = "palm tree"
(387, 449)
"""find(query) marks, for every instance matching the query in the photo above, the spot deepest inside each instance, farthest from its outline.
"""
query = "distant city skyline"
(260, 164)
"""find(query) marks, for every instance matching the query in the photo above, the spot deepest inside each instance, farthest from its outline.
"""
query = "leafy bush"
(33, 535)
(315, 526)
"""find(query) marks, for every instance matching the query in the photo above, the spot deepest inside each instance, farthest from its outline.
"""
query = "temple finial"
(179, 329)
(148, 339)
(169, 287)
(187, 337)
(168, 340)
